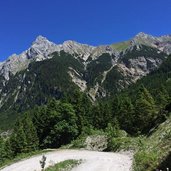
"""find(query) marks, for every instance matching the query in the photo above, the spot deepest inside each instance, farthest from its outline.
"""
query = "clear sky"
(93, 22)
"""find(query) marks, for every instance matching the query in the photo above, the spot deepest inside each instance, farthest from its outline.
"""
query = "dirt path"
(92, 161)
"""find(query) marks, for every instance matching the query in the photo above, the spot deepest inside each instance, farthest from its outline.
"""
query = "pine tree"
(8, 149)
(41, 121)
(30, 133)
(145, 110)
(2, 150)
(162, 97)
(18, 139)
(125, 116)
(115, 106)
(96, 117)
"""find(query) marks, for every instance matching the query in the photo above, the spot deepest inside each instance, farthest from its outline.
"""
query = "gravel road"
(92, 161)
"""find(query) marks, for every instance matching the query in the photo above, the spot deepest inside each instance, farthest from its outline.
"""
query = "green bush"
(125, 143)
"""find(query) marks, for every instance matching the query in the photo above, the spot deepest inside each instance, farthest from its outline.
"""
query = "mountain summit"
(47, 70)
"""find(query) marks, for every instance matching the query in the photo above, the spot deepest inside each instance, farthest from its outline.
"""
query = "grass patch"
(125, 143)
(64, 165)
(121, 46)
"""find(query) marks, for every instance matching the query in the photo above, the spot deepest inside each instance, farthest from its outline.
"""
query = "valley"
(105, 99)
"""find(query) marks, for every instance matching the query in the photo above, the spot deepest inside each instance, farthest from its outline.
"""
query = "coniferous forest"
(137, 110)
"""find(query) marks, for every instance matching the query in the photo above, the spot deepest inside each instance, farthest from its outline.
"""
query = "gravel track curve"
(92, 161)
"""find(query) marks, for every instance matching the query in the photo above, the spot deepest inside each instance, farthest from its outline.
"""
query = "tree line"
(61, 121)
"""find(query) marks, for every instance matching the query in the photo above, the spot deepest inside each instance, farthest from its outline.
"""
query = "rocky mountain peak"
(82, 50)
(142, 34)
(41, 47)
(75, 45)
(70, 43)
(146, 37)
(40, 39)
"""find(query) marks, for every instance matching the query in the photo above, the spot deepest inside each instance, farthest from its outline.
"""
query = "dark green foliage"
(42, 80)
(115, 104)
(157, 82)
(64, 128)
(166, 162)
(101, 115)
(31, 134)
(150, 107)
(137, 114)
(162, 97)
(5, 150)
(82, 106)
(24, 137)
(41, 122)
(126, 114)
(96, 68)
(18, 139)
(113, 129)
(50, 78)
(2, 150)
(56, 124)
(111, 83)
(8, 149)
(145, 111)
(38, 84)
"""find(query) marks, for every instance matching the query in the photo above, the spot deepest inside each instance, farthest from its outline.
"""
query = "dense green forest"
(136, 110)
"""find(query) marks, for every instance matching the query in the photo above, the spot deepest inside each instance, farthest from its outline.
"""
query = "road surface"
(92, 161)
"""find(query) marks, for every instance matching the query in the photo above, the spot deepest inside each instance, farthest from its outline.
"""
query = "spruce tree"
(18, 139)
(30, 133)
(2, 150)
(145, 110)
(162, 98)
(42, 124)
(8, 149)
(125, 116)
(115, 106)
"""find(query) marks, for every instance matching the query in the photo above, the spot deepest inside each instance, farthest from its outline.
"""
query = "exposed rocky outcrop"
(162, 43)
(77, 79)
(96, 74)
(139, 67)
(41, 49)
(96, 142)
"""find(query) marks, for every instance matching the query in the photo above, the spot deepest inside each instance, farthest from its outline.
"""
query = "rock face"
(99, 71)
(96, 143)
(162, 43)
(40, 50)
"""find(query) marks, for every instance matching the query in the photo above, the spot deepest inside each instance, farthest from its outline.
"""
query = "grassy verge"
(156, 150)
(150, 153)
(64, 166)
(125, 143)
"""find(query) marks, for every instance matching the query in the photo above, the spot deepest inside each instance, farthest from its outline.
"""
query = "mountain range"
(48, 70)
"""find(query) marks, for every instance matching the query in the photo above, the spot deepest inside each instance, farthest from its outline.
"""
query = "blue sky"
(93, 22)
